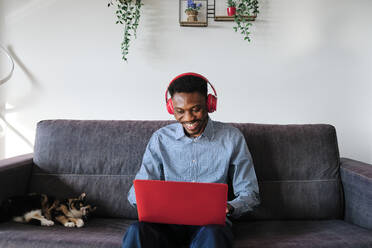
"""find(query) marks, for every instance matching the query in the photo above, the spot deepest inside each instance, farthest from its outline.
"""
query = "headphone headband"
(211, 99)
(189, 74)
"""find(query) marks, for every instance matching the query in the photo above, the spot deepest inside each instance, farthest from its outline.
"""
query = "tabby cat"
(45, 210)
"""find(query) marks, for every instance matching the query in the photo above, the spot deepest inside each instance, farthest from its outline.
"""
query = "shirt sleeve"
(151, 167)
(243, 177)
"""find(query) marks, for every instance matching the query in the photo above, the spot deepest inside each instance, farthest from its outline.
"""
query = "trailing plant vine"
(245, 11)
(128, 14)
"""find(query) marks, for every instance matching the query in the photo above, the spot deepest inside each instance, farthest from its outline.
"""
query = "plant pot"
(231, 11)
(192, 15)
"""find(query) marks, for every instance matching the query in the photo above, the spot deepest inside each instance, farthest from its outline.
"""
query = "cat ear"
(82, 196)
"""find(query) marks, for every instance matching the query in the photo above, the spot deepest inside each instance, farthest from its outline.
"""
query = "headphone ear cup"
(170, 106)
(211, 103)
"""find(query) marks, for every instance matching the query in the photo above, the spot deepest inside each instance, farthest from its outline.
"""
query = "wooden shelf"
(194, 24)
(231, 18)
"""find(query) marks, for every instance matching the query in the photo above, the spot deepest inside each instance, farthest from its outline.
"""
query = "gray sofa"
(310, 198)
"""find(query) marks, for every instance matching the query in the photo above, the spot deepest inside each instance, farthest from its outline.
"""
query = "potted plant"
(192, 11)
(127, 14)
(246, 11)
(231, 7)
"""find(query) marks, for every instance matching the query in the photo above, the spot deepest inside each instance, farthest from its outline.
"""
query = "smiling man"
(196, 149)
(190, 111)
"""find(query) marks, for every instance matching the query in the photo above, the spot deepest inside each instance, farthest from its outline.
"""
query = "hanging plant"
(128, 14)
(246, 11)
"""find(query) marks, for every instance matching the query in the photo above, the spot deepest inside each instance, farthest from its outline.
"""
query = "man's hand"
(229, 208)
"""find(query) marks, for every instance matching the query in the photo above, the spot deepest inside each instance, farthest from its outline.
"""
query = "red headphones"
(211, 99)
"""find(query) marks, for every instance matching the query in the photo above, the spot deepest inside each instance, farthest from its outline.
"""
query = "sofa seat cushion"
(101, 232)
(301, 234)
(98, 232)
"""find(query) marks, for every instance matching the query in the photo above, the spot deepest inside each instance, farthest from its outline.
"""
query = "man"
(196, 149)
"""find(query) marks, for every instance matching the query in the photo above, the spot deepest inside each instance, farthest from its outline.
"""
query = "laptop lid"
(182, 203)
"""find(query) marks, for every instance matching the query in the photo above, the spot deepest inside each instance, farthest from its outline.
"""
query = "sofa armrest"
(357, 184)
(15, 174)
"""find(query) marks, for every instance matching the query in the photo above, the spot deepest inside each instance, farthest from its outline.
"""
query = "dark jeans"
(144, 235)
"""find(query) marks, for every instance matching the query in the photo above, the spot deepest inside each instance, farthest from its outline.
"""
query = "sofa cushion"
(271, 234)
(301, 234)
(297, 165)
(96, 233)
(100, 158)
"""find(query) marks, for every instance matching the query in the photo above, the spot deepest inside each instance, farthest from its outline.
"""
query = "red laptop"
(181, 203)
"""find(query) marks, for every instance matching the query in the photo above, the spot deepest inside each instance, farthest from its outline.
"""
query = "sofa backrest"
(297, 165)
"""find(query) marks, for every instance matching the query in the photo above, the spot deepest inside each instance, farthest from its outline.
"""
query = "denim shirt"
(218, 154)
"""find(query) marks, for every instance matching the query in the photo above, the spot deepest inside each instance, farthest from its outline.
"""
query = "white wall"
(308, 62)
(3, 66)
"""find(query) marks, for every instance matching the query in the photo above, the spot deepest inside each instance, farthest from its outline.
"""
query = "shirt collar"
(208, 131)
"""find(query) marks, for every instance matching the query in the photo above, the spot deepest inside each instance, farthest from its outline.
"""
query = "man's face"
(190, 109)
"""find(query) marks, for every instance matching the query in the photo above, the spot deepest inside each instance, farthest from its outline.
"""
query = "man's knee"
(214, 230)
(213, 236)
(132, 235)
(143, 234)
(135, 227)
